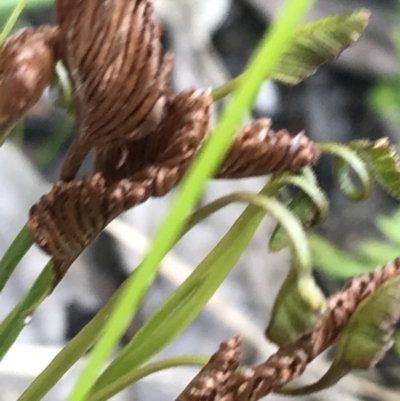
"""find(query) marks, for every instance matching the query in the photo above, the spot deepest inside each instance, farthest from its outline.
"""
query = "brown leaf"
(258, 150)
(112, 50)
(169, 148)
(27, 61)
(220, 367)
(67, 219)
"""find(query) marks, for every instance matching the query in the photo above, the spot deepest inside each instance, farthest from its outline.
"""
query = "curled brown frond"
(67, 219)
(291, 360)
(27, 61)
(259, 150)
(143, 137)
(220, 367)
(172, 145)
(113, 52)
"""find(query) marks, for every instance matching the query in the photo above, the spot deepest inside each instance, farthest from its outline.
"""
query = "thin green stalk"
(344, 157)
(72, 352)
(19, 7)
(12, 325)
(19, 247)
(147, 370)
(7, 5)
(205, 165)
(227, 88)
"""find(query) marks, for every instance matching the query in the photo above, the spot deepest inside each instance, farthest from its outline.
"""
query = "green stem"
(345, 156)
(6, 5)
(19, 247)
(13, 324)
(138, 374)
(227, 88)
(12, 19)
(71, 353)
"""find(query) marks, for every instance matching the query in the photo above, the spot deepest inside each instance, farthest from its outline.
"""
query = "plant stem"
(19, 7)
(19, 247)
(137, 374)
(12, 325)
(227, 88)
(7, 5)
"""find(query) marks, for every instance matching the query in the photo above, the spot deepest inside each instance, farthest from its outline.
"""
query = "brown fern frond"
(171, 146)
(291, 360)
(258, 150)
(112, 50)
(27, 61)
(67, 219)
(219, 368)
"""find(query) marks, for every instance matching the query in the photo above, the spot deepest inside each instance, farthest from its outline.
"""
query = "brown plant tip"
(113, 52)
(291, 360)
(259, 150)
(27, 61)
(220, 367)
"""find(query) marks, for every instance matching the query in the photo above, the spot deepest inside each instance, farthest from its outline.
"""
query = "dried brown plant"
(291, 360)
(27, 61)
(144, 138)
(259, 150)
(113, 52)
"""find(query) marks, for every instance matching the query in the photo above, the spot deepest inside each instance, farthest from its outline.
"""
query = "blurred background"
(356, 96)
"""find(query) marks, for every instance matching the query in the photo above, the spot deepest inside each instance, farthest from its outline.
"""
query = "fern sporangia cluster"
(220, 380)
(143, 136)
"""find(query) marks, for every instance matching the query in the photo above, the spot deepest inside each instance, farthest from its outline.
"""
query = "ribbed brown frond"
(290, 361)
(171, 147)
(113, 53)
(71, 215)
(258, 150)
(220, 367)
(27, 62)
(66, 220)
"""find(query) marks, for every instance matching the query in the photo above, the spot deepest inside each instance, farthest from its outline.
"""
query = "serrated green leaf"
(383, 161)
(366, 338)
(292, 315)
(318, 42)
(370, 330)
(314, 44)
